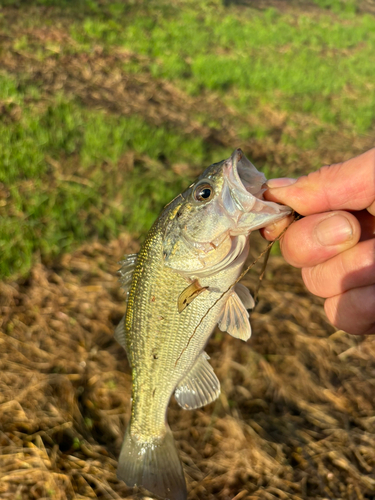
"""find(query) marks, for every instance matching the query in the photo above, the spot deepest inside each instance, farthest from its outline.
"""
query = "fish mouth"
(244, 181)
(246, 174)
(242, 196)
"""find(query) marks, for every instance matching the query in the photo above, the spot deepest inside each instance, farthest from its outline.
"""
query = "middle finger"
(353, 268)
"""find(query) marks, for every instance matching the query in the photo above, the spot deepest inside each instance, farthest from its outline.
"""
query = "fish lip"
(235, 158)
(246, 191)
(243, 198)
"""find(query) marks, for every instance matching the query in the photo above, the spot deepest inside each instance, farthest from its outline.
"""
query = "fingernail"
(334, 230)
(282, 182)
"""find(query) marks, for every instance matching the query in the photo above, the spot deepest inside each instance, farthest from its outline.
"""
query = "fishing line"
(263, 270)
(267, 254)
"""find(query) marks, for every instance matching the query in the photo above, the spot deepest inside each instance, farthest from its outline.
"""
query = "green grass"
(319, 65)
(66, 182)
(69, 172)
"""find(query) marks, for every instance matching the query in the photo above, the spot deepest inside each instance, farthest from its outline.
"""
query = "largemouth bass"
(180, 286)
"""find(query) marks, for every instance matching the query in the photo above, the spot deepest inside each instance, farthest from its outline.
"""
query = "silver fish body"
(179, 288)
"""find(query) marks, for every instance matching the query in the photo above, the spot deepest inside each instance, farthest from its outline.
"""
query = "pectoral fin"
(199, 387)
(189, 294)
(244, 294)
(235, 317)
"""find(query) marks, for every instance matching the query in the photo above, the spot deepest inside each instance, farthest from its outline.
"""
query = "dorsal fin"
(126, 271)
(199, 387)
(126, 275)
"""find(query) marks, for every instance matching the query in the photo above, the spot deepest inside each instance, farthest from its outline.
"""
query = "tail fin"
(154, 466)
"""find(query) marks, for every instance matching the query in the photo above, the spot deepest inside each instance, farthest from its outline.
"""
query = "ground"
(100, 128)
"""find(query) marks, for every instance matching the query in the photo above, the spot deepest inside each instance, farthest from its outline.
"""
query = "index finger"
(349, 185)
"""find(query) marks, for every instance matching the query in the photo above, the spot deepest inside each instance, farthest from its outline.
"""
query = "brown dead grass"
(295, 420)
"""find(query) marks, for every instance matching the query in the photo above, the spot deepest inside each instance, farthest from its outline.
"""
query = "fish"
(179, 287)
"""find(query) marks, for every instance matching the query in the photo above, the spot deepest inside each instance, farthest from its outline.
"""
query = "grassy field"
(108, 109)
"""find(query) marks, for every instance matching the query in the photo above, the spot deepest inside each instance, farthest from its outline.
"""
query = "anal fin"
(199, 387)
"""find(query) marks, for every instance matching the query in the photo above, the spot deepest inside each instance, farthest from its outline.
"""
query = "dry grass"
(295, 419)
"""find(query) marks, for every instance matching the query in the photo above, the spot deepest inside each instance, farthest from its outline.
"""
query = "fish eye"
(203, 192)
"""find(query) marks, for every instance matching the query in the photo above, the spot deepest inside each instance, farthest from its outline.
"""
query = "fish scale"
(169, 336)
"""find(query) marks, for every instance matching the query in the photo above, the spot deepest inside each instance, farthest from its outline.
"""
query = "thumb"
(343, 186)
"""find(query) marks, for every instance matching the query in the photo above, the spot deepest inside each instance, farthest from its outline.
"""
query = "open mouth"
(243, 194)
(244, 172)
(246, 184)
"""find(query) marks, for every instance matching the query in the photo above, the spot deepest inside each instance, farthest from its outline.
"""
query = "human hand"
(334, 243)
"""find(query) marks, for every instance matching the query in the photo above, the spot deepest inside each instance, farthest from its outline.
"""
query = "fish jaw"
(269, 214)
